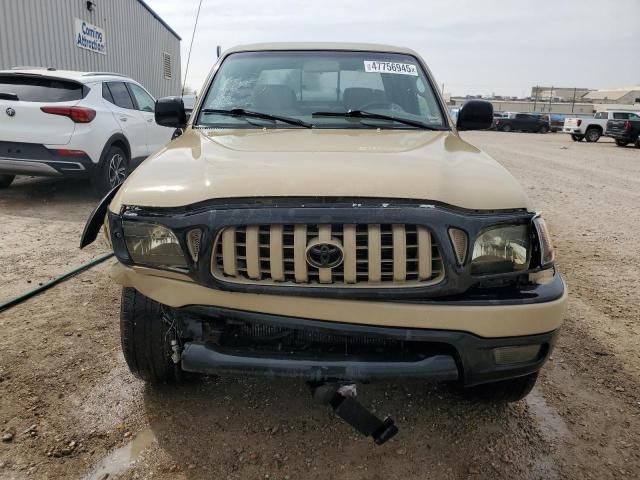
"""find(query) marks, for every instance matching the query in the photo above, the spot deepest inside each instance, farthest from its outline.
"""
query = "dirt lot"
(70, 409)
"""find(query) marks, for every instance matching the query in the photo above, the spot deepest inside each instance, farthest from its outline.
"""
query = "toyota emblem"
(328, 254)
(11, 112)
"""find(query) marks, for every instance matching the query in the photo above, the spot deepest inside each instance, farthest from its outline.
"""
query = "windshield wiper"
(241, 112)
(8, 96)
(379, 116)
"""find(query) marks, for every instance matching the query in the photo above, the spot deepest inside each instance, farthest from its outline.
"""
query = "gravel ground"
(70, 409)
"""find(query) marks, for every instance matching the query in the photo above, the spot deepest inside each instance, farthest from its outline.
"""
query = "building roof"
(150, 10)
(611, 94)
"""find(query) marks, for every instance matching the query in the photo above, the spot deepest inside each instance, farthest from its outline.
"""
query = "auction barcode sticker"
(374, 66)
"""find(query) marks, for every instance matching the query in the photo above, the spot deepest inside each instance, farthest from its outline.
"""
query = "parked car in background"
(625, 131)
(75, 124)
(591, 129)
(496, 116)
(523, 122)
(556, 121)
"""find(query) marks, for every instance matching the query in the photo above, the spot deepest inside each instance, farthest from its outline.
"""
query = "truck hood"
(405, 164)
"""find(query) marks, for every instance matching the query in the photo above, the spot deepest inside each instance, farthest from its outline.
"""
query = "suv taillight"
(76, 114)
(579, 122)
(627, 125)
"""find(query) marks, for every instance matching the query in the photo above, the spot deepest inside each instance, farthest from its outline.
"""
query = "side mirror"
(170, 112)
(475, 115)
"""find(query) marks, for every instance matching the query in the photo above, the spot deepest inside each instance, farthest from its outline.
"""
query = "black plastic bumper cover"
(468, 358)
(200, 358)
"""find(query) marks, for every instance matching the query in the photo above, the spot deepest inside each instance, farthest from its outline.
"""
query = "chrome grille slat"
(374, 255)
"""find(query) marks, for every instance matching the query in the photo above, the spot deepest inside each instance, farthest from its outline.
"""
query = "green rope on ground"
(65, 276)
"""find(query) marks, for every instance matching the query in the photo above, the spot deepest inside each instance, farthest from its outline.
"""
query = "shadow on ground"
(251, 428)
(35, 197)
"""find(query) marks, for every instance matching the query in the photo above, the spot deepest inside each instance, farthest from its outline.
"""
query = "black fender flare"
(95, 220)
(116, 137)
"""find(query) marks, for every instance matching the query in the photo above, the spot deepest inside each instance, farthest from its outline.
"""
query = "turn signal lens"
(193, 243)
(459, 241)
(516, 354)
(547, 253)
(153, 244)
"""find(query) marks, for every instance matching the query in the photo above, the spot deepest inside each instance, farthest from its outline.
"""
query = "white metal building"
(120, 36)
(623, 95)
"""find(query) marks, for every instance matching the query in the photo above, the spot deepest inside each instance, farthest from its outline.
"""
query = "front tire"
(506, 128)
(5, 180)
(592, 135)
(511, 390)
(543, 129)
(112, 171)
(622, 143)
(576, 138)
(144, 338)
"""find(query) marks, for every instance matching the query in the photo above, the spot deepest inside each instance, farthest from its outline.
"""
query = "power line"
(195, 25)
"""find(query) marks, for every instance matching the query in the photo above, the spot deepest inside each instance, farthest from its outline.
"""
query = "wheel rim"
(117, 170)
(593, 136)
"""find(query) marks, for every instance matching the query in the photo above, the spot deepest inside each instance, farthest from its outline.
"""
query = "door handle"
(123, 119)
(150, 120)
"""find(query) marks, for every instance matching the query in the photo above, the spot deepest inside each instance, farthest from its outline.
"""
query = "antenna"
(195, 25)
(218, 51)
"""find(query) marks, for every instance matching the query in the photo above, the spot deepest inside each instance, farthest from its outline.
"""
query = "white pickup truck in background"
(591, 129)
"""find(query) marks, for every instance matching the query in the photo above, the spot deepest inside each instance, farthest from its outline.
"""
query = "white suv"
(63, 123)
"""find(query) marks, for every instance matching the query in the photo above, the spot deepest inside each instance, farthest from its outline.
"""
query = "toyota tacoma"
(320, 217)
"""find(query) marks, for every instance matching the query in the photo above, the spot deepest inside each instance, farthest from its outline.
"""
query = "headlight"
(547, 254)
(152, 244)
(502, 249)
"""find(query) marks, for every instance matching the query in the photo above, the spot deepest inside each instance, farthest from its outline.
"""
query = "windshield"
(298, 84)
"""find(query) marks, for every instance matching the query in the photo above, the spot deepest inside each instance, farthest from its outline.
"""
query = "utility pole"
(573, 102)
(550, 97)
(535, 100)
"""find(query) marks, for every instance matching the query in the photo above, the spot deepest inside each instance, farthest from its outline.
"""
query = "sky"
(471, 46)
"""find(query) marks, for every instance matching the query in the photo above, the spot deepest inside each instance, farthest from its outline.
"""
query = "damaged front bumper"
(239, 342)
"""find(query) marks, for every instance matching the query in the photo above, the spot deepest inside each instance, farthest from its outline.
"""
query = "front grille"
(255, 338)
(374, 254)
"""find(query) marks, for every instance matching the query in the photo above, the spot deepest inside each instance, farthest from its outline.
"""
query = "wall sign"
(89, 37)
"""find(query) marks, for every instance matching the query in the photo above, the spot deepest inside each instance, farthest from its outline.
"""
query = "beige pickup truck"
(321, 217)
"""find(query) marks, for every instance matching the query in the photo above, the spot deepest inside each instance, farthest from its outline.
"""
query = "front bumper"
(434, 355)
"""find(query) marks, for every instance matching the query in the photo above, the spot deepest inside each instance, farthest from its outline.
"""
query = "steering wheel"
(381, 105)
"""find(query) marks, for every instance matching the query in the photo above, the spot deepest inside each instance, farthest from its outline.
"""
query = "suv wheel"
(592, 135)
(506, 128)
(145, 343)
(5, 180)
(112, 172)
(510, 390)
(622, 143)
(543, 129)
(576, 138)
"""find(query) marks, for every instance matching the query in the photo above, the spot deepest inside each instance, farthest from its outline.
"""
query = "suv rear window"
(120, 95)
(38, 89)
